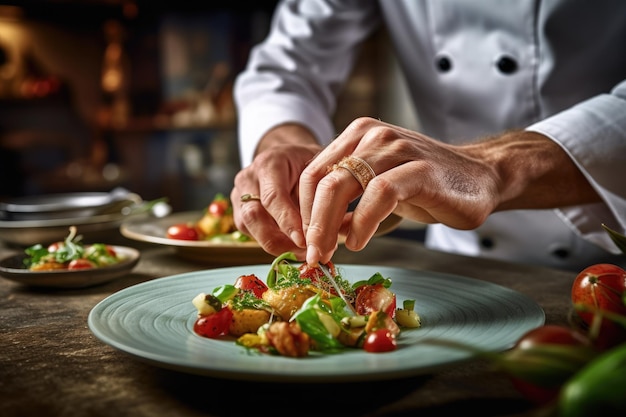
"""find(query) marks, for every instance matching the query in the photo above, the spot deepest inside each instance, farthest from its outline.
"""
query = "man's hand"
(430, 182)
(274, 220)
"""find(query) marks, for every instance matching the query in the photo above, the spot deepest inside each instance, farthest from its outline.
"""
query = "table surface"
(51, 364)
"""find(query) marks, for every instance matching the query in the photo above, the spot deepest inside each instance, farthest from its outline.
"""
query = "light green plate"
(153, 321)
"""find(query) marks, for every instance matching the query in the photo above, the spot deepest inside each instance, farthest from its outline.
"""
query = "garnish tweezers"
(331, 279)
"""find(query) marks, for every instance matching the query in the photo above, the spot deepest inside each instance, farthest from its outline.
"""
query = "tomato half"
(601, 286)
(183, 231)
(251, 283)
(374, 298)
(380, 340)
(214, 325)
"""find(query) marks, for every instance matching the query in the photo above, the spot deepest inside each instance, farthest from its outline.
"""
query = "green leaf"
(377, 278)
(618, 238)
(275, 267)
(35, 253)
(225, 292)
(545, 365)
(308, 319)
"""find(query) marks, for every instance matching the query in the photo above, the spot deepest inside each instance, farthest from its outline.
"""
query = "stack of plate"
(46, 218)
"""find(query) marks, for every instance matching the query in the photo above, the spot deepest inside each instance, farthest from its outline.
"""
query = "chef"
(522, 150)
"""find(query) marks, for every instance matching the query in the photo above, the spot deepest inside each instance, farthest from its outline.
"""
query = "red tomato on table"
(602, 286)
(548, 334)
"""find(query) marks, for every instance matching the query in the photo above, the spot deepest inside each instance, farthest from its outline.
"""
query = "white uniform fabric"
(473, 68)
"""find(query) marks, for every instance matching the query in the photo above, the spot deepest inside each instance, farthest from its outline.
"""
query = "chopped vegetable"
(297, 310)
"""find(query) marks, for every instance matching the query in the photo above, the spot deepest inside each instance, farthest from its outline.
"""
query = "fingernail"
(312, 255)
(297, 238)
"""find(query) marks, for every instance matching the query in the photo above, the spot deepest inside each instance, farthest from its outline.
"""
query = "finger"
(329, 215)
(416, 191)
(317, 169)
(399, 190)
(277, 215)
(418, 214)
(266, 232)
(442, 195)
(279, 196)
(376, 204)
(244, 183)
(252, 219)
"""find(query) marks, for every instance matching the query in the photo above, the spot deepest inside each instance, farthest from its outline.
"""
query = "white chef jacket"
(473, 68)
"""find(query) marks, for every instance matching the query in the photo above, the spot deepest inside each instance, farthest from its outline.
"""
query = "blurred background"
(97, 94)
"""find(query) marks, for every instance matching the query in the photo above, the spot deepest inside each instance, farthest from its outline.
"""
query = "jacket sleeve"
(296, 73)
(593, 133)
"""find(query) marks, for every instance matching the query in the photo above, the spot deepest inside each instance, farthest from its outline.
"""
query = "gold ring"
(249, 197)
(359, 169)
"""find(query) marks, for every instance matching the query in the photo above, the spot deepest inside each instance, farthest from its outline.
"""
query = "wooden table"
(52, 365)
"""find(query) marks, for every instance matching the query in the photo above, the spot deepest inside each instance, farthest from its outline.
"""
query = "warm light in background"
(10, 13)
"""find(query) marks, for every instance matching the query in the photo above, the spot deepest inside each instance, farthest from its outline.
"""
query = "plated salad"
(216, 224)
(297, 311)
(70, 254)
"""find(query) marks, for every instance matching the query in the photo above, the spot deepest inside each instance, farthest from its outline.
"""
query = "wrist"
(533, 172)
(286, 135)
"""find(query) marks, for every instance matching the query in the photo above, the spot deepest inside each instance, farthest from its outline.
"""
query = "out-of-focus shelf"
(148, 124)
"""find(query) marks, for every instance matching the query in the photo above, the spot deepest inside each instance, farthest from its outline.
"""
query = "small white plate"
(13, 268)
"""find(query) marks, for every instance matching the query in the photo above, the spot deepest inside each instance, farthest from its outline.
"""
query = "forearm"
(534, 172)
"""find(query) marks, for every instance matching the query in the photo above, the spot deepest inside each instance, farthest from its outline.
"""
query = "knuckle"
(329, 185)
(362, 123)
(249, 213)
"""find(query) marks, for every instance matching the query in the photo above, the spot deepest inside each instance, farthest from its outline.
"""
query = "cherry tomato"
(218, 207)
(183, 231)
(214, 325)
(373, 298)
(251, 283)
(53, 247)
(601, 286)
(543, 393)
(81, 264)
(380, 340)
(111, 251)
